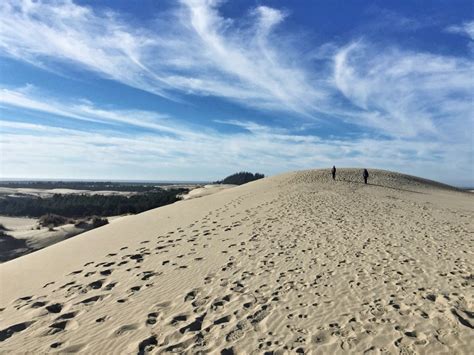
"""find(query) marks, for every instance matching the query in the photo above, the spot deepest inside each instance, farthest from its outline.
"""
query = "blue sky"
(196, 89)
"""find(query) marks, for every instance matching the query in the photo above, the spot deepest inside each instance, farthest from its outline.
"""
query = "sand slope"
(206, 190)
(293, 263)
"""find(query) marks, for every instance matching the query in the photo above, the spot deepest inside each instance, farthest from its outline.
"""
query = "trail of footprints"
(292, 316)
(79, 285)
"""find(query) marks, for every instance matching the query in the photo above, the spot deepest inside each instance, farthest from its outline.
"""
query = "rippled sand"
(293, 263)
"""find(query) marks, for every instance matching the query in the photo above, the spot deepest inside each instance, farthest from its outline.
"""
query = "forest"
(77, 206)
(85, 185)
(240, 178)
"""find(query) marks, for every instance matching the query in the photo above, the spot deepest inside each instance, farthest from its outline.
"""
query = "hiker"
(365, 174)
(333, 171)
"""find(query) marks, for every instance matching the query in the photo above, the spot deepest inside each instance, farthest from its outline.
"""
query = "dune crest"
(296, 263)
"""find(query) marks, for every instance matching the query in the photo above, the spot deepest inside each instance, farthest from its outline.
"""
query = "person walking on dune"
(365, 174)
(333, 172)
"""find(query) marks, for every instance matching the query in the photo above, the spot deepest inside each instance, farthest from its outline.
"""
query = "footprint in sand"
(151, 318)
(8, 332)
(125, 329)
(147, 345)
(54, 308)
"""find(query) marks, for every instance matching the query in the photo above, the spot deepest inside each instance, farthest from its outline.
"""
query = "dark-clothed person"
(365, 174)
(333, 172)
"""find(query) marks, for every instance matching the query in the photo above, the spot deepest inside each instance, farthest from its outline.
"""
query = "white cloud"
(466, 29)
(193, 50)
(45, 33)
(21, 98)
(36, 150)
(404, 93)
(32, 99)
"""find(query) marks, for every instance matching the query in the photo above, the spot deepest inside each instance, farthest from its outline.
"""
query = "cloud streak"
(45, 33)
(31, 99)
(53, 151)
(193, 50)
(403, 93)
(466, 29)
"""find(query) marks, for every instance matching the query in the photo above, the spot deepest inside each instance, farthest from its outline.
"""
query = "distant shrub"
(91, 223)
(99, 222)
(241, 178)
(81, 224)
(53, 220)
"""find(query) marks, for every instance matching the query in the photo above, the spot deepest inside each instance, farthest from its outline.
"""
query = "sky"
(199, 89)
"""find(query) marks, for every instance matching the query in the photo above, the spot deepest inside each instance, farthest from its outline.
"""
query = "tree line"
(77, 206)
(84, 185)
(240, 178)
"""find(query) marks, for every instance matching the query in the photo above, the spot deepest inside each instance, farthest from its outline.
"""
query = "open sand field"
(45, 193)
(295, 263)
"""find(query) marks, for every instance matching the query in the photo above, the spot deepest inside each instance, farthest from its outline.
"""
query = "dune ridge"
(292, 263)
(383, 178)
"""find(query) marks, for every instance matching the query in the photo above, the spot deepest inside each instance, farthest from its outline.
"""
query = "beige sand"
(36, 236)
(293, 263)
(206, 190)
(19, 225)
(33, 235)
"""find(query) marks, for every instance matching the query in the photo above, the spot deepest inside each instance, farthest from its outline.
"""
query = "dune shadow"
(11, 248)
(384, 186)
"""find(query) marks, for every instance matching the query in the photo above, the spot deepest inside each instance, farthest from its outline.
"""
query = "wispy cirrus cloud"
(466, 29)
(406, 93)
(30, 98)
(268, 75)
(47, 33)
(193, 50)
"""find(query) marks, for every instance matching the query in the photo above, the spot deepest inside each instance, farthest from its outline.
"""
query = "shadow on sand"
(387, 187)
(11, 247)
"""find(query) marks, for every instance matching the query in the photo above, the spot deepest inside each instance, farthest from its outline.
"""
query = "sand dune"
(206, 190)
(292, 263)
